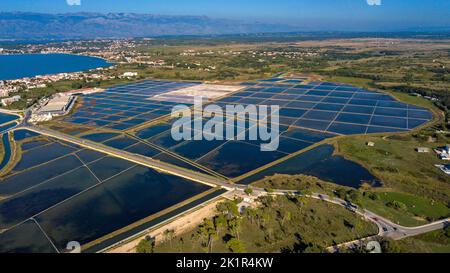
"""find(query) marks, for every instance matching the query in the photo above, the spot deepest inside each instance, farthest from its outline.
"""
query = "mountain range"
(25, 25)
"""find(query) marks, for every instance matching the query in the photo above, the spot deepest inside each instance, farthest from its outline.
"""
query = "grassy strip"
(2, 151)
(408, 177)
(433, 242)
(16, 156)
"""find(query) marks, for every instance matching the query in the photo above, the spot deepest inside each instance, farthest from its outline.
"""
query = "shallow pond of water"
(321, 163)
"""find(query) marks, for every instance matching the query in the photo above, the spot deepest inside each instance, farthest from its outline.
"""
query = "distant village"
(114, 52)
(118, 52)
(8, 88)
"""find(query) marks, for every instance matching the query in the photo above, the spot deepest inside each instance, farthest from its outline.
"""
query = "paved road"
(397, 232)
(393, 231)
(386, 227)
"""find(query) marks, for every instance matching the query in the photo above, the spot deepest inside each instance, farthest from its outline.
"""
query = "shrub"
(147, 245)
(396, 205)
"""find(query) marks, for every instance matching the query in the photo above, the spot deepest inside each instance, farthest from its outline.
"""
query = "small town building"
(4, 92)
(130, 74)
(11, 100)
(58, 105)
(443, 152)
(444, 168)
(422, 150)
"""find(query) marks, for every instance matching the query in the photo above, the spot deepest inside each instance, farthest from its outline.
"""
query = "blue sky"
(308, 13)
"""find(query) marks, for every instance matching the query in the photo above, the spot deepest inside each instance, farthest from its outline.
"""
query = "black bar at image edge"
(230, 262)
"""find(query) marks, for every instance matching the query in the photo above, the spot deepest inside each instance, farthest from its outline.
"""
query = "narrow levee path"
(7, 151)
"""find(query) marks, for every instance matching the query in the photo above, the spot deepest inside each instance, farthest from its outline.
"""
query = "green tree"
(169, 235)
(341, 193)
(447, 231)
(390, 246)
(355, 197)
(226, 74)
(373, 196)
(234, 225)
(358, 249)
(302, 246)
(248, 191)
(146, 246)
(77, 85)
(408, 77)
(236, 246)
(252, 214)
(229, 208)
(314, 248)
(301, 200)
(207, 232)
(396, 205)
(220, 222)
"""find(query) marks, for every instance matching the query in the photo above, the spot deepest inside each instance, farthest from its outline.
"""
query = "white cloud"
(73, 2)
(374, 2)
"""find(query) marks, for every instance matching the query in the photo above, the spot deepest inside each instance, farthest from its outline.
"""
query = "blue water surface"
(29, 65)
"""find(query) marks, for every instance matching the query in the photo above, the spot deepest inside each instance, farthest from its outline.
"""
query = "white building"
(41, 85)
(60, 104)
(130, 74)
(4, 92)
(444, 153)
(422, 150)
(444, 168)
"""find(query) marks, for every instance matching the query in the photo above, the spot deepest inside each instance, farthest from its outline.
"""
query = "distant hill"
(20, 25)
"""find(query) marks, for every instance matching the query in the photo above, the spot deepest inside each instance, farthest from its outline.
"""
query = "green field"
(417, 210)
(408, 177)
(395, 161)
(413, 210)
(417, 205)
(433, 242)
